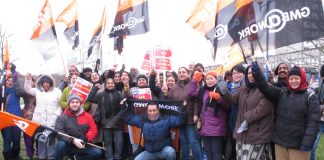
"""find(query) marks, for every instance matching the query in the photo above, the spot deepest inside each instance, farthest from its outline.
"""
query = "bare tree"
(4, 35)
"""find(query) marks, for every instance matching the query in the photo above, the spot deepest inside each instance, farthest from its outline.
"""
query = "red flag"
(98, 32)
(44, 34)
(6, 63)
(70, 18)
(32, 129)
(131, 19)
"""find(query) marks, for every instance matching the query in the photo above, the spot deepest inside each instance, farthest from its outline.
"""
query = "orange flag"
(233, 58)
(44, 34)
(6, 64)
(32, 129)
(70, 18)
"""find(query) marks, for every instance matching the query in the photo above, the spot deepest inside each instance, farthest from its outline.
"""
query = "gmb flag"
(32, 129)
(131, 19)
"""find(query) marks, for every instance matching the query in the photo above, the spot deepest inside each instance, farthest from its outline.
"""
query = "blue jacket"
(156, 134)
(12, 102)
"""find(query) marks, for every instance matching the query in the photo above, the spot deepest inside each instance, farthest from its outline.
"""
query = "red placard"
(82, 88)
(163, 53)
(147, 62)
(163, 64)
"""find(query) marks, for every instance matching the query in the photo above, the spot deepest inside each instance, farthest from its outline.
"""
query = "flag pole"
(90, 144)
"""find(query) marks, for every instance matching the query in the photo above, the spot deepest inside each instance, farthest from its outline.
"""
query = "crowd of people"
(241, 115)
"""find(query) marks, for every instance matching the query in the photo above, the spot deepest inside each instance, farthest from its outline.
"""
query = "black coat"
(298, 114)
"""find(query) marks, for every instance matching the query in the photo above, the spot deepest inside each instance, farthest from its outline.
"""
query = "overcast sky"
(167, 23)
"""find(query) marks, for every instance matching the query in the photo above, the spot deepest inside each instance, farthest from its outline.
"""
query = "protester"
(11, 135)
(254, 123)
(95, 78)
(156, 130)
(213, 114)
(297, 117)
(282, 73)
(47, 109)
(86, 73)
(64, 83)
(79, 124)
(188, 133)
(66, 92)
(109, 106)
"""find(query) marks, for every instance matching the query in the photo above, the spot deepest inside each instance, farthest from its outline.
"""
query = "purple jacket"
(213, 115)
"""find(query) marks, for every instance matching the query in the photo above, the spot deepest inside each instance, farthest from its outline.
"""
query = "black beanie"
(294, 71)
(322, 71)
(142, 76)
(87, 69)
(239, 68)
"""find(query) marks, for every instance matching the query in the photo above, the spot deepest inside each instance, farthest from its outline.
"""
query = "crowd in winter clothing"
(243, 116)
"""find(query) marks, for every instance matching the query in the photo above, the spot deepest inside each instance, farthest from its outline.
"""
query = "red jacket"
(82, 126)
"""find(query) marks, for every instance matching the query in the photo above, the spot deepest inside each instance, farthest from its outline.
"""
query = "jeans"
(111, 135)
(188, 135)
(11, 138)
(167, 153)
(213, 147)
(313, 153)
(45, 150)
(63, 148)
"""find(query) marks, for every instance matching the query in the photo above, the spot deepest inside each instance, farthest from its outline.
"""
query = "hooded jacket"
(47, 103)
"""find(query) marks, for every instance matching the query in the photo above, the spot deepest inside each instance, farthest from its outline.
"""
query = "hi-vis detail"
(131, 22)
(275, 20)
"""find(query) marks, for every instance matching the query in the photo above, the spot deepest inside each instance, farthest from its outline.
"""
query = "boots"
(8, 155)
(15, 154)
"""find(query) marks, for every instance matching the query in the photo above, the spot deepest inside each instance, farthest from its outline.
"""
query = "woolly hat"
(239, 68)
(72, 97)
(212, 73)
(294, 71)
(142, 76)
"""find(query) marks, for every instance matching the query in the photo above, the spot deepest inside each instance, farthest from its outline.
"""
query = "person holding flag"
(11, 135)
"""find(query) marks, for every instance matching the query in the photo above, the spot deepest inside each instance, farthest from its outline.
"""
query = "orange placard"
(82, 88)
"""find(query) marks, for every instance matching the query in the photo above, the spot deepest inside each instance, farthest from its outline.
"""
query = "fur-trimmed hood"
(44, 78)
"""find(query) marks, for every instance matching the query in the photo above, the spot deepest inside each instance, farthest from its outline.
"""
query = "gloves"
(243, 127)
(197, 76)
(214, 95)
(255, 67)
(305, 148)
(78, 143)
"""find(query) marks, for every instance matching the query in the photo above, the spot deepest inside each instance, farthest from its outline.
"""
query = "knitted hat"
(142, 76)
(212, 73)
(72, 97)
(294, 71)
(239, 68)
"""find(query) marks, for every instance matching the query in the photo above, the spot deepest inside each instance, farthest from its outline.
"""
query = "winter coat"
(213, 114)
(80, 126)
(179, 92)
(258, 112)
(47, 103)
(109, 106)
(297, 116)
(12, 102)
(156, 134)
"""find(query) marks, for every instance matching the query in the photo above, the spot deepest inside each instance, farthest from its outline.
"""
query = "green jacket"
(64, 98)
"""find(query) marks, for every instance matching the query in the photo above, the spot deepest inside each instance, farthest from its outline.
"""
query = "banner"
(70, 18)
(32, 129)
(82, 88)
(131, 19)
(162, 59)
(166, 107)
(44, 35)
